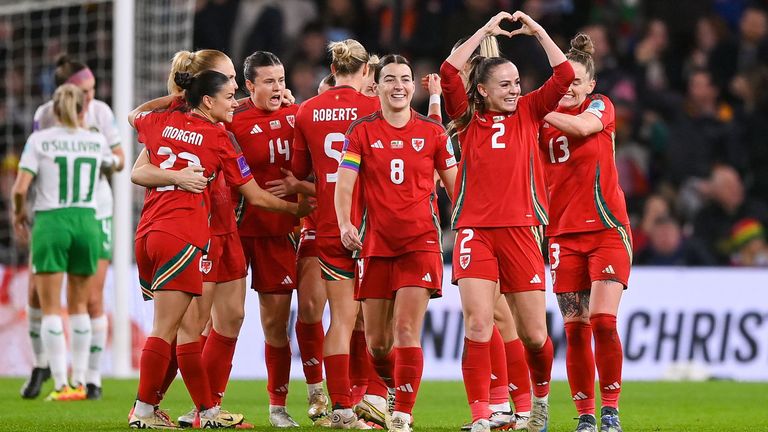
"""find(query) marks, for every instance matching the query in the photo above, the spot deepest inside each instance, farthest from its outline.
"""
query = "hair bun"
(582, 43)
(183, 80)
(62, 59)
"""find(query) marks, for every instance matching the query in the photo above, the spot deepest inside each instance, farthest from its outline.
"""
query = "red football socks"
(152, 369)
(337, 379)
(409, 365)
(579, 362)
(519, 377)
(217, 360)
(385, 368)
(171, 371)
(194, 374)
(540, 367)
(476, 370)
(498, 393)
(608, 358)
(376, 385)
(310, 338)
(278, 372)
(359, 366)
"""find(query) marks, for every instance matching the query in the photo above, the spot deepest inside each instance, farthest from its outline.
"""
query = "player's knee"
(310, 310)
(95, 307)
(478, 328)
(534, 339)
(406, 333)
(380, 350)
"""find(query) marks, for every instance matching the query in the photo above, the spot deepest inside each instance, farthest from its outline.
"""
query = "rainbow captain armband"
(350, 161)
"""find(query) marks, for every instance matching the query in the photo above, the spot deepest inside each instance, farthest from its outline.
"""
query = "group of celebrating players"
(228, 180)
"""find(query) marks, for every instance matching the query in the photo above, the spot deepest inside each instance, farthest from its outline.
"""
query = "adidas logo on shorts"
(536, 279)
(609, 270)
(427, 278)
(287, 281)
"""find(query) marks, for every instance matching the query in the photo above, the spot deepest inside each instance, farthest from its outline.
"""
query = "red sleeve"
(544, 99)
(602, 108)
(436, 117)
(144, 122)
(352, 155)
(233, 165)
(301, 165)
(454, 93)
(444, 157)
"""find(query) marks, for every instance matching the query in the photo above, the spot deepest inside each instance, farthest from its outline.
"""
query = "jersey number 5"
(191, 159)
(333, 153)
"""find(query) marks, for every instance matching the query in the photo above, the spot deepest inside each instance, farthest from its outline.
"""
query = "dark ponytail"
(65, 68)
(482, 67)
(206, 83)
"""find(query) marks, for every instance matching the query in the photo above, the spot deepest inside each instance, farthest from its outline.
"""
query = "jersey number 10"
(77, 169)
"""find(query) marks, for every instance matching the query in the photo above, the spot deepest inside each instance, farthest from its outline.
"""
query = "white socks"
(80, 341)
(502, 407)
(35, 320)
(99, 329)
(142, 409)
(55, 347)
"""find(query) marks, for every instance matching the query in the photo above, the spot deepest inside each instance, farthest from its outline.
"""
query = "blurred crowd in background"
(688, 78)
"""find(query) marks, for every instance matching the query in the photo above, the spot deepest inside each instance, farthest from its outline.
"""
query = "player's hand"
(493, 27)
(529, 28)
(285, 186)
(21, 227)
(191, 179)
(306, 206)
(350, 238)
(431, 83)
(288, 98)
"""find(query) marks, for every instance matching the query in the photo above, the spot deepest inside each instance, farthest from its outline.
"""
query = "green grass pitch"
(441, 406)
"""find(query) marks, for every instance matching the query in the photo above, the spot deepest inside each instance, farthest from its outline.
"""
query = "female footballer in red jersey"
(509, 370)
(223, 265)
(319, 137)
(394, 153)
(174, 229)
(499, 223)
(590, 247)
(265, 130)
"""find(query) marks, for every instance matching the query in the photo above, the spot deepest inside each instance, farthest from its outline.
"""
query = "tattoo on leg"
(574, 304)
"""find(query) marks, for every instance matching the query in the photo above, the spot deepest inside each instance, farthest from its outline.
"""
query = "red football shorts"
(307, 243)
(579, 259)
(336, 262)
(167, 263)
(511, 255)
(381, 277)
(224, 261)
(273, 263)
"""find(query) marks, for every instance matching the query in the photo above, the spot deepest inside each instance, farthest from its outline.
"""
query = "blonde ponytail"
(68, 102)
(192, 63)
(348, 56)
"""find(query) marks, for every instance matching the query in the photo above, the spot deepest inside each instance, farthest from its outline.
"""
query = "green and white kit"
(66, 164)
(99, 118)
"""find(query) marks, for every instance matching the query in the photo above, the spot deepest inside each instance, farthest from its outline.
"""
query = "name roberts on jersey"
(334, 114)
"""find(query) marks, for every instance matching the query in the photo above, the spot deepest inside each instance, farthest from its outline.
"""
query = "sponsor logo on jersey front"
(498, 118)
(464, 261)
(256, 129)
(396, 144)
(274, 124)
(377, 145)
(417, 143)
(291, 119)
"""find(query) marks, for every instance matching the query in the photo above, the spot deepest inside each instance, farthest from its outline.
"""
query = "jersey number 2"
(192, 160)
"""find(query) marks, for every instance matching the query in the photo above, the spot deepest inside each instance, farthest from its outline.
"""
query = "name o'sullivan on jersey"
(334, 114)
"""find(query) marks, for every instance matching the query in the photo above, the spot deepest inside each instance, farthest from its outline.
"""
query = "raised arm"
(154, 104)
(461, 55)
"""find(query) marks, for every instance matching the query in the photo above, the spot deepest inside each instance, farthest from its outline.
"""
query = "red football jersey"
(583, 183)
(175, 140)
(397, 176)
(266, 139)
(501, 178)
(222, 211)
(318, 144)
